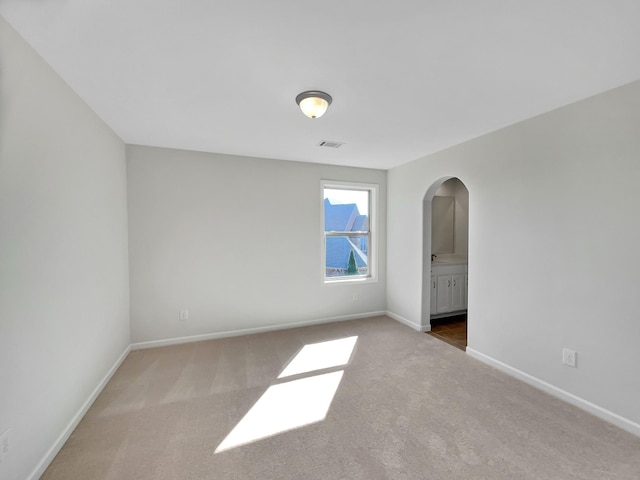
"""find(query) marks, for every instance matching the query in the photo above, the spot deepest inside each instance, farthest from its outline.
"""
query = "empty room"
(319, 240)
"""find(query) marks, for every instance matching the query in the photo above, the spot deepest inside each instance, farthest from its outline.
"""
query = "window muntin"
(347, 229)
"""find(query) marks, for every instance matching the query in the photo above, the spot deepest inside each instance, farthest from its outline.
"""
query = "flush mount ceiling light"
(313, 103)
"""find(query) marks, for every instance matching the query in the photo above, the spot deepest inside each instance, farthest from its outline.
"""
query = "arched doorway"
(445, 260)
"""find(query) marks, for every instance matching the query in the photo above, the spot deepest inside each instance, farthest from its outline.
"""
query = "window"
(348, 212)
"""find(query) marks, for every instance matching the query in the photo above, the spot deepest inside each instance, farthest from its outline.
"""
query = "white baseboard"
(624, 423)
(249, 331)
(75, 420)
(617, 420)
(64, 436)
(409, 323)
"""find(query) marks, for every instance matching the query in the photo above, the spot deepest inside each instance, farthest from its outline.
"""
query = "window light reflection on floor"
(296, 403)
(283, 407)
(317, 356)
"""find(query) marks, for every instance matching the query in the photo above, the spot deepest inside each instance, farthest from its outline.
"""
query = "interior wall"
(64, 312)
(236, 241)
(553, 255)
(442, 225)
(456, 189)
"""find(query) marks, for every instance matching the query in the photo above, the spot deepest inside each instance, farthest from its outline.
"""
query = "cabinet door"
(457, 292)
(444, 293)
(434, 296)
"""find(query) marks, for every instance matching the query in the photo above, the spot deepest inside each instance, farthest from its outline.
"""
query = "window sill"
(351, 281)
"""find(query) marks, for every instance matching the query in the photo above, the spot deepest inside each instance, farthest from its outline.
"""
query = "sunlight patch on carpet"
(283, 407)
(295, 403)
(318, 356)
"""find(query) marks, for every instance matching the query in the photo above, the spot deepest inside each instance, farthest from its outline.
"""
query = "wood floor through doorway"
(452, 330)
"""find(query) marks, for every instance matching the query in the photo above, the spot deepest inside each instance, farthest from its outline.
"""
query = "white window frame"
(372, 253)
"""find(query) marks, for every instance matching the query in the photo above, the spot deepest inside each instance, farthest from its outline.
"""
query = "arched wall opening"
(459, 247)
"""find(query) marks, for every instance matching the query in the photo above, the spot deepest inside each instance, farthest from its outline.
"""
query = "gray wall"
(64, 311)
(553, 255)
(456, 189)
(442, 219)
(237, 241)
(554, 236)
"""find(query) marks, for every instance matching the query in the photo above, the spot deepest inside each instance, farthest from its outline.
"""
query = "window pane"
(357, 198)
(346, 210)
(346, 255)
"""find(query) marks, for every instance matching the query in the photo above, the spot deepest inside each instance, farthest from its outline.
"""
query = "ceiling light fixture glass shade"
(313, 103)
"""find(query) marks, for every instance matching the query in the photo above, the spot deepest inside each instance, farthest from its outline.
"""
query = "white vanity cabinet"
(434, 294)
(448, 288)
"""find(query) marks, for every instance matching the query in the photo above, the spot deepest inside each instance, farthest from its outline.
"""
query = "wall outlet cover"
(569, 357)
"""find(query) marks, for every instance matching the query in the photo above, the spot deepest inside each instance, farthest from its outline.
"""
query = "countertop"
(450, 259)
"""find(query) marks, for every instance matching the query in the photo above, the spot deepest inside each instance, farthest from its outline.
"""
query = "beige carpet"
(407, 407)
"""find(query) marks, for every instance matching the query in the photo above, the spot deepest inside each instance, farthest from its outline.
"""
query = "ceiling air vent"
(329, 144)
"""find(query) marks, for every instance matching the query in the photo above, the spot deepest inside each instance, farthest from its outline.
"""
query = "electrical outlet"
(354, 297)
(4, 445)
(184, 315)
(569, 357)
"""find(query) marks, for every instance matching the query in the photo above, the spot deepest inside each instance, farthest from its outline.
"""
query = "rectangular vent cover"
(330, 144)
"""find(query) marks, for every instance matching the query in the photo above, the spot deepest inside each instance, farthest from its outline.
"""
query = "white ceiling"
(408, 77)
